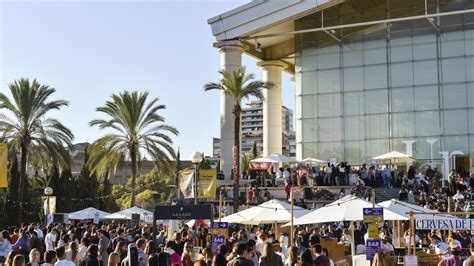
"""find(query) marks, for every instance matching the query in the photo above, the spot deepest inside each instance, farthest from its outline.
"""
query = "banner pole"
(292, 216)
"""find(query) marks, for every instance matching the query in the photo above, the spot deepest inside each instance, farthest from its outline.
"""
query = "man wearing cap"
(454, 259)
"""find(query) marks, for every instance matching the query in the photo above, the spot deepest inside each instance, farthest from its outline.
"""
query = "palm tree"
(137, 127)
(24, 126)
(238, 86)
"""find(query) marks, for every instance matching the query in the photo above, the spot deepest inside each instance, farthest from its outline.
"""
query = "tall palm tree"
(238, 86)
(137, 127)
(24, 126)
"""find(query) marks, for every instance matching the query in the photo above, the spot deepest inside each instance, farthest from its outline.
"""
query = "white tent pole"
(352, 240)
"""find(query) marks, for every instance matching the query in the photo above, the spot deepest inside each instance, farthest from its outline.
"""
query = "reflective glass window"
(375, 52)
(353, 54)
(455, 122)
(329, 129)
(330, 149)
(354, 152)
(454, 96)
(426, 72)
(309, 106)
(354, 127)
(354, 103)
(308, 82)
(452, 44)
(469, 42)
(427, 123)
(402, 74)
(401, 49)
(402, 99)
(470, 94)
(329, 105)
(328, 59)
(456, 143)
(424, 47)
(329, 80)
(353, 79)
(310, 130)
(375, 77)
(403, 124)
(375, 147)
(376, 101)
(376, 126)
(470, 68)
(426, 97)
(453, 69)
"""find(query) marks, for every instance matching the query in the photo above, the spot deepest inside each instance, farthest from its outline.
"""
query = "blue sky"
(88, 50)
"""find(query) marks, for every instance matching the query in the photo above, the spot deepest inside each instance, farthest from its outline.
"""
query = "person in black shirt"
(176, 244)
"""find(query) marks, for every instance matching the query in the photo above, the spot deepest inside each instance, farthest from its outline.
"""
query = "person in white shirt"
(62, 261)
(5, 245)
(458, 196)
(409, 238)
(387, 247)
(38, 231)
(82, 249)
(51, 238)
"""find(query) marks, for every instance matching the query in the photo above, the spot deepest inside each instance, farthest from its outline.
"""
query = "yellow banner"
(207, 183)
(374, 231)
(3, 165)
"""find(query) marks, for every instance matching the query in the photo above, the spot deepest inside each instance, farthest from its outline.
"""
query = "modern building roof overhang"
(267, 27)
(263, 17)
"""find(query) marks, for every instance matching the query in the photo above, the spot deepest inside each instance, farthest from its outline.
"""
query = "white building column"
(272, 107)
(231, 59)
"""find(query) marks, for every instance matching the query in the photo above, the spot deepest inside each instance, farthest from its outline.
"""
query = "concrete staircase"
(383, 194)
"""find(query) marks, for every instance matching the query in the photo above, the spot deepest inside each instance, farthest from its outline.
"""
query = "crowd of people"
(86, 244)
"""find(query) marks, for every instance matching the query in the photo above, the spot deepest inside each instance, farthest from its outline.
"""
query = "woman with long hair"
(150, 247)
(11, 255)
(219, 258)
(269, 257)
(34, 257)
(92, 257)
(306, 258)
(114, 259)
(121, 249)
(207, 255)
(19, 260)
(188, 254)
(292, 259)
(71, 252)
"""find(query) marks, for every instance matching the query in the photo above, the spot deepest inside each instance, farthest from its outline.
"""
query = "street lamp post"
(48, 191)
(196, 158)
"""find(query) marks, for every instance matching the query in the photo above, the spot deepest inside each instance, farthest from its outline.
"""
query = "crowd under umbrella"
(311, 160)
(275, 158)
(347, 209)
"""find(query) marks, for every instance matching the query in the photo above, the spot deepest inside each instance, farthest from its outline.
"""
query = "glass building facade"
(386, 85)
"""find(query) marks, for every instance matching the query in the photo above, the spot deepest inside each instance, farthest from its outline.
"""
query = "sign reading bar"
(373, 215)
(184, 212)
(445, 224)
(371, 248)
(216, 242)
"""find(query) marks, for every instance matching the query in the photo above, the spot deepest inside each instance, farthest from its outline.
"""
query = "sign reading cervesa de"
(445, 224)
(183, 212)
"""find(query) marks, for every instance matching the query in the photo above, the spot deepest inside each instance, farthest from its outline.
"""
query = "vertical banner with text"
(207, 183)
(3, 165)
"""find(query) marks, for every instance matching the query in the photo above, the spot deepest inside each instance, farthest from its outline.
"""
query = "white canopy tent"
(145, 215)
(312, 160)
(272, 211)
(275, 158)
(348, 208)
(87, 214)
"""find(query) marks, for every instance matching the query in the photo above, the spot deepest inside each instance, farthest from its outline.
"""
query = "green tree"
(11, 197)
(24, 125)
(156, 181)
(238, 86)
(137, 128)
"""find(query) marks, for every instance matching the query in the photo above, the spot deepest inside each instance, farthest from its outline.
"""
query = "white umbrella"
(145, 215)
(272, 211)
(312, 160)
(393, 155)
(275, 158)
(348, 208)
(87, 214)
(403, 208)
